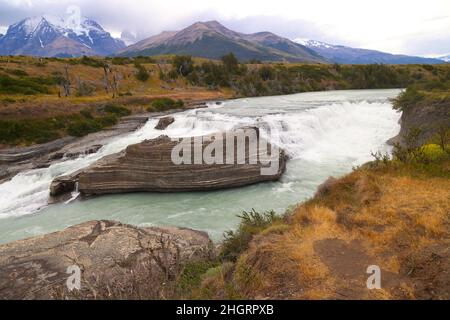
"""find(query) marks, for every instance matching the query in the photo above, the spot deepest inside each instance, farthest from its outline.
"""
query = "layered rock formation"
(150, 167)
(115, 260)
(164, 123)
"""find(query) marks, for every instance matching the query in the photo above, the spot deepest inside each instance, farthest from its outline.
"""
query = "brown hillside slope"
(399, 222)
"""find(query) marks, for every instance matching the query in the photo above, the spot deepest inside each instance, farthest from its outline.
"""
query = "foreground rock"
(164, 123)
(116, 261)
(149, 167)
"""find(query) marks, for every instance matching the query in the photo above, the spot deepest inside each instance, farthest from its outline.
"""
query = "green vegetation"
(116, 110)
(142, 74)
(252, 223)
(28, 131)
(183, 65)
(25, 85)
(164, 104)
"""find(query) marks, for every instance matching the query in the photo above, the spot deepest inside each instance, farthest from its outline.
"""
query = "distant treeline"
(253, 78)
(257, 79)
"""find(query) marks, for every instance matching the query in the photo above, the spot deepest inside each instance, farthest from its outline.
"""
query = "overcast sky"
(419, 27)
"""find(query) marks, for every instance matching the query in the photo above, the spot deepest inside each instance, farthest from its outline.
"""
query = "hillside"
(212, 40)
(36, 92)
(348, 55)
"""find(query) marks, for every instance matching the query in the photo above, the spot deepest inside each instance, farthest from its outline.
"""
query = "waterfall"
(337, 129)
(74, 195)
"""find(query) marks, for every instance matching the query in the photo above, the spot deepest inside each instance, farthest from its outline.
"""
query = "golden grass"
(400, 223)
(48, 105)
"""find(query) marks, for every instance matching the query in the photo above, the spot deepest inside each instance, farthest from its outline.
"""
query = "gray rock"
(164, 123)
(148, 167)
(116, 261)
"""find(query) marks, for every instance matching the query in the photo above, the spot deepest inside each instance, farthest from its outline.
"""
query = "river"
(324, 133)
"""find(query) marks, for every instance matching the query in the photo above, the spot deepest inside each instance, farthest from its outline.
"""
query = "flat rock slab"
(113, 258)
(149, 167)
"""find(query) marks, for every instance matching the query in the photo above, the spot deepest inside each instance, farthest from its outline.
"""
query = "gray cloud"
(147, 17)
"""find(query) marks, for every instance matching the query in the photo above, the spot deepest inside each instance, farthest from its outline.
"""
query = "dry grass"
(47, 105)
(398, 222)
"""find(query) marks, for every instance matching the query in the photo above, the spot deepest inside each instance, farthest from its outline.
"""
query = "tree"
(66, 81)
(183, 65)
(142, 74)
(230, 62)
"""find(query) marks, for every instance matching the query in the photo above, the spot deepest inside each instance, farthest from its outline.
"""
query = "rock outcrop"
(427, 117)
(15, 160)
(115, 261)
(164, 123)
(149, 167)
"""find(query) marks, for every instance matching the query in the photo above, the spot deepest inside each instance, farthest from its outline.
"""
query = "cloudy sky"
(419, 27)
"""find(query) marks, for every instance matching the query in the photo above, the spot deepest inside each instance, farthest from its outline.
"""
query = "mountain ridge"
(212, 40)
(348, 55)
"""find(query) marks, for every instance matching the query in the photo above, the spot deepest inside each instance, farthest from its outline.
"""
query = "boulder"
(164, 123)
(114, 260)
(149, 167)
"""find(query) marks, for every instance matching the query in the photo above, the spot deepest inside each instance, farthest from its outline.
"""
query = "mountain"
(348, 55)
(52, 36)
(445, 58)
(212, 40)
(128, 37)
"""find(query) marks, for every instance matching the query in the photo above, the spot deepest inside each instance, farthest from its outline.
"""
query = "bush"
(27, 86)
(117, 110)
(252, 223)
(17, 72)
(163, 104)
(91, 62)
(142, 74)
(81, 127)
(183, 65)
(407, 99)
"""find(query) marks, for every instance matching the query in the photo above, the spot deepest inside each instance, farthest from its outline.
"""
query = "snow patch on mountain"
(313, 43)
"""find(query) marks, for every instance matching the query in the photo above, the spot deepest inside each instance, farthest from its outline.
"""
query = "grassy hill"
(36, 91)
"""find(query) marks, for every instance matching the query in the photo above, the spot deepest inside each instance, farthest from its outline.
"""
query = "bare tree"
(66, 81)
(116, 77)
(105, 79)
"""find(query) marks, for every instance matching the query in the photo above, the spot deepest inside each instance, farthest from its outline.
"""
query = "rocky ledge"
(428, 118)
(149, 167)
(114, 261)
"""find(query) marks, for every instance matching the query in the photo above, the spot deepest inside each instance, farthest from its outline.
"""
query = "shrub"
(91, 62)
(17, 72)
(252, 223)
(230, 62)
(142, 74)
(117, 110)
(27, 86)
(407, 99)
(81, 127)
(183, 65)
(163, 104)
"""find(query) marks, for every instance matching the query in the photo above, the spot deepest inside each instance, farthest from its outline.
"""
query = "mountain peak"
(42, 36)
(210, 39)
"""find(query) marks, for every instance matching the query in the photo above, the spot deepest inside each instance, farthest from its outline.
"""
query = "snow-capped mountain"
(58, 36)
(348, 55)
(445, 58)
